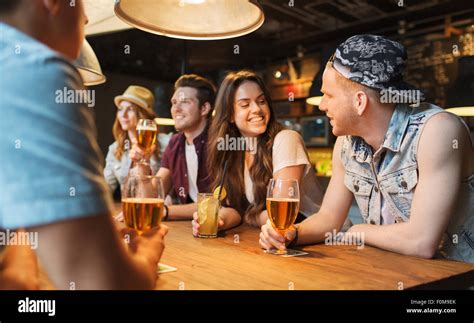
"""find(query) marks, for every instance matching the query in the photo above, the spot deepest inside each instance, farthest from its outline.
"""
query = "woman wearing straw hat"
(134, 104)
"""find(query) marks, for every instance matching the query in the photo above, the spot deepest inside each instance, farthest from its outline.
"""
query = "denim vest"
(387, 179)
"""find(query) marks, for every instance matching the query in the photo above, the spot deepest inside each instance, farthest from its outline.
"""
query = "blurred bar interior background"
(288, 49)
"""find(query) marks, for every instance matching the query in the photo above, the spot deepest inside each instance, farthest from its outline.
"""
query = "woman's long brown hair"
(121, 136)
(261, 170)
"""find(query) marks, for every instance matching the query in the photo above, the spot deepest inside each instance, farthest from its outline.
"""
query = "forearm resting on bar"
(181, 211)
(314, 229)
(230, 216)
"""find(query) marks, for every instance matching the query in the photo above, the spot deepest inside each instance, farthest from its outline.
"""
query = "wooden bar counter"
(236, 262)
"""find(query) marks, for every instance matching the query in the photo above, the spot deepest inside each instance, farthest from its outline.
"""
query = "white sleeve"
(288, 150)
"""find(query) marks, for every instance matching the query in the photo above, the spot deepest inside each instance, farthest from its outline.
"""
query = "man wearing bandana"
(408, 164)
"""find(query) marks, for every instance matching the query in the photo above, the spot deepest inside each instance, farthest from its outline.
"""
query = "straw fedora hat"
(139, 95)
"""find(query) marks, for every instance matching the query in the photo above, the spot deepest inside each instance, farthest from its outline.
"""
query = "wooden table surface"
(236, 262)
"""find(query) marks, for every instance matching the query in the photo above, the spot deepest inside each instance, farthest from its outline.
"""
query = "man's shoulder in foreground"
(51, 161)
(19, 52)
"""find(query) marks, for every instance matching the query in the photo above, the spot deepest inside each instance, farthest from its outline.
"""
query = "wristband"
(166, 213)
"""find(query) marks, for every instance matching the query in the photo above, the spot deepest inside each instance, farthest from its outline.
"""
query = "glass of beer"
(147, 130)
(142, 202)
(283, 202)
(208, 214)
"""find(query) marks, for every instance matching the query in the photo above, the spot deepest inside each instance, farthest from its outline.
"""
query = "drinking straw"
(222, 181)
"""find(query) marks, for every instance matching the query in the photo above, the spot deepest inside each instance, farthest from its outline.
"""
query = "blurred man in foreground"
(51, 166)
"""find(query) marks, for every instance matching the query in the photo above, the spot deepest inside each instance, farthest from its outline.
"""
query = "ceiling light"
(462, 111)
(101, 17)
(460, 96)
(88, 66)
(164, 121)
(315, 95)
(192, 19)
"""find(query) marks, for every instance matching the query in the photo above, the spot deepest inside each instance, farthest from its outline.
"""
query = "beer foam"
(143, 200)
(282, 199)
(146, 128)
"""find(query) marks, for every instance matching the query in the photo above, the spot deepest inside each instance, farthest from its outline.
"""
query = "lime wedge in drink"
(223, 193)
(202, 211)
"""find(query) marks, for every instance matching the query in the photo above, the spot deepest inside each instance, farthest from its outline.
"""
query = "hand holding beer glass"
(146, 136)
(283, 201)
(142, 202)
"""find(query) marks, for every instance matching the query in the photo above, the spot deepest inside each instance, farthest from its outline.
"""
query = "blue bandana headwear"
(373, 61)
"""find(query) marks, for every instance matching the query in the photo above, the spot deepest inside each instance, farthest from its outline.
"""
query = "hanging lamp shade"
(461, 94)
(192, 19)
(164, 121)
(101, 18)
(315, 95)
(463, 111)
(88, 66)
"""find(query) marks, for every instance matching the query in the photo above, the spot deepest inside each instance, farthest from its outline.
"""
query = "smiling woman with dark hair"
(244, 113)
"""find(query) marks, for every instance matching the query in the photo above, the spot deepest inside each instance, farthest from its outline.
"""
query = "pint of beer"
(282, 212)
(142, 213)
(142, 202)
(283, 202)
(146, 133)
